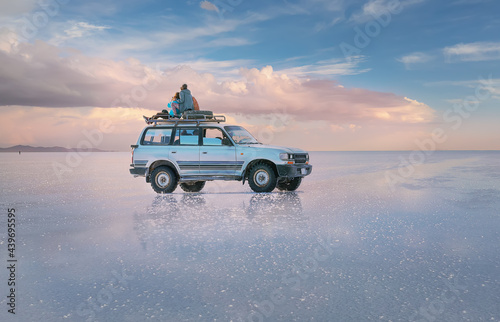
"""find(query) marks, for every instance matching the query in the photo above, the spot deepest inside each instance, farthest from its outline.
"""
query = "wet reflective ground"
(360, 240)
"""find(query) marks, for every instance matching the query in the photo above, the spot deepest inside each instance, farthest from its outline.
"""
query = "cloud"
(489, 84)
(222, 69)
(344, 127)
(8, 39)
(12, 8)
(207, 5)
(322, 25)
(414, 58)
(375, 8)
(485, 82)
(79, 29)
(67, 92)
(328, 68)
(192, 37)
(66, 127)
(71, 79)
(228, 42)
(328, 5)
(476, 51)
(74, 29)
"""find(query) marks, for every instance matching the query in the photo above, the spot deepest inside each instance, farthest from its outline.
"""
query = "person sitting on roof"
(185, 99)
(174, 105)
(196, 106)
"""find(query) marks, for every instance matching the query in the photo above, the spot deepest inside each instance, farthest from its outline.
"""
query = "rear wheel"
(262, 178)
(163, 180)
(290, 185)
(192, 186)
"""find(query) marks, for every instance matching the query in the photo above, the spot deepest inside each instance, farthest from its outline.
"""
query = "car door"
(217, 153)
(185, 150)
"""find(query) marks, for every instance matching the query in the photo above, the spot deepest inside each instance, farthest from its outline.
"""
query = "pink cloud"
(42, 75)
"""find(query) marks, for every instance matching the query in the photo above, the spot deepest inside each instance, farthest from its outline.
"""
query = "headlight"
(286, 156)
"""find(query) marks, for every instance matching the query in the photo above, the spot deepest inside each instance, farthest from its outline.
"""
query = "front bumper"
(293, 170)
(138, 172)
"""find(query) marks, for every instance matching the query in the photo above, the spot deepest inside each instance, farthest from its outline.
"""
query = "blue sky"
(428, 53)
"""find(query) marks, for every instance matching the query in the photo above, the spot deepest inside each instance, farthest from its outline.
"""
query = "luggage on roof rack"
(188, 117)
(196, 115)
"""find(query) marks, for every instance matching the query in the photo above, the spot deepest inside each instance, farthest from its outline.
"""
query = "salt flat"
(362, 239)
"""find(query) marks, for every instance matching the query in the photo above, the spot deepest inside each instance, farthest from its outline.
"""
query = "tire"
(289, 185)
(262, 178)
(163, 180)
(192, 187)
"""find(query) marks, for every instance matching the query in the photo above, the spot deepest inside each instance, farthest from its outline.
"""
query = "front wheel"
(193, 187)
(163, 180)
(290, 185)
(262, 178)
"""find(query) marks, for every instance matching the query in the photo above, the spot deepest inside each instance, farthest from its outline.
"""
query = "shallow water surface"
(356, 242)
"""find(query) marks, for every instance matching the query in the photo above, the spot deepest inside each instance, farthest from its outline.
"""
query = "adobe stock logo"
(433, 310)
(453, 118)
(30, 24)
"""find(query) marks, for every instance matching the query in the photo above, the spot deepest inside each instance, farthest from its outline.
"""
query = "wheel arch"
(159, 163)
(254, 162)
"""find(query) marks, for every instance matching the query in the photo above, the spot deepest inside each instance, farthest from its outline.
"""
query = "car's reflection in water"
(285, 208)
(189, 226)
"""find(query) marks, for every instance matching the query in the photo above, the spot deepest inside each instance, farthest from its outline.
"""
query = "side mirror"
(226, 141)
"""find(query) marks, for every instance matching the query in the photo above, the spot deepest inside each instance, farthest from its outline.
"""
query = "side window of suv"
(186, 136)
(157, 136)
(213, 136)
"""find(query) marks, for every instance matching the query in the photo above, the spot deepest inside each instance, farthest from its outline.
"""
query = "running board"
(209, 178)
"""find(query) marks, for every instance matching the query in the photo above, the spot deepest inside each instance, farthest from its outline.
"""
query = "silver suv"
(191, 151)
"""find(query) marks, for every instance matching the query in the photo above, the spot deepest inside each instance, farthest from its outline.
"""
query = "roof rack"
(187, 118)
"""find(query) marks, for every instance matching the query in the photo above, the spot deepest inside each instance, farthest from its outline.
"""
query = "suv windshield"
(240, 135)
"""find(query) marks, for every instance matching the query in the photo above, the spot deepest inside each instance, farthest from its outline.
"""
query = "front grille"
(300, 158)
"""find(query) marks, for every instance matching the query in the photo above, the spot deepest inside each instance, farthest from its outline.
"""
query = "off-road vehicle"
(200, 147)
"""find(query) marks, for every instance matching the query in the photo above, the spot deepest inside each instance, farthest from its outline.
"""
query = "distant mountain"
(27, 148)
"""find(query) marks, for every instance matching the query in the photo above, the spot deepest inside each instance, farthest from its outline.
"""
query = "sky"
(322, 75)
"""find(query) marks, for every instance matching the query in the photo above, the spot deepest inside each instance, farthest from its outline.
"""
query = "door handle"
(174, 151)
(204, 152)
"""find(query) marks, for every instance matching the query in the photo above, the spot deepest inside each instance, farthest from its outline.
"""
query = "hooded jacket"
(185, 100)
